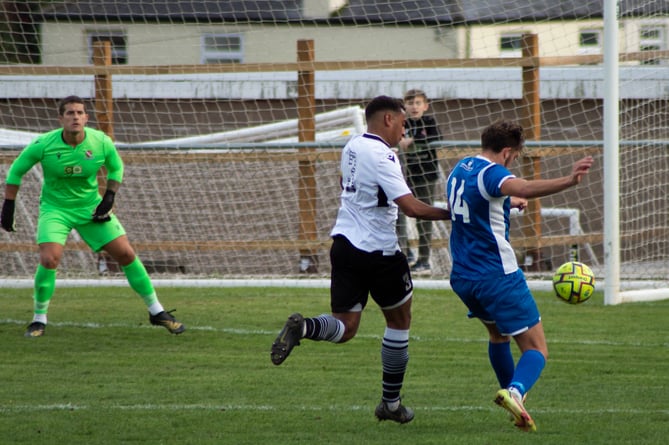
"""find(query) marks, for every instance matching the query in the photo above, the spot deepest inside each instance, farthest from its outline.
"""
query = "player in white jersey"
(485, 275)
(365, 254)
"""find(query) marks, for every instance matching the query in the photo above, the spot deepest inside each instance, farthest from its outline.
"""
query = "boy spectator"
(422, 173)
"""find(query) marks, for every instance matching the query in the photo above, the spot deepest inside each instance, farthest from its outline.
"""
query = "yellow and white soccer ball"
(574, 282)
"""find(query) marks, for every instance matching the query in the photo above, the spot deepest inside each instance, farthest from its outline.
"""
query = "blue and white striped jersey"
(479, 239)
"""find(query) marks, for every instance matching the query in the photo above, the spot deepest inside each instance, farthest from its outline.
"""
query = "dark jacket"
(421, 159)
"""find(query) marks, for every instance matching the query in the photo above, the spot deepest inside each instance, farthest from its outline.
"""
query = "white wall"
(577, 82)
(173, 44)
(164, 44)
(555, 38)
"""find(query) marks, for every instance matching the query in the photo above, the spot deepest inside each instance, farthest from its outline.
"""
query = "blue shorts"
(505, 301)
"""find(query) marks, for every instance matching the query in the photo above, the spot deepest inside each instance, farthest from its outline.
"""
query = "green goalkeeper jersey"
(70, 173)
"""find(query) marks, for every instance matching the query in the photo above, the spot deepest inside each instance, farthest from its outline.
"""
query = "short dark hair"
(383, 103)
(68, 100)
(414, 93)
(503, 134)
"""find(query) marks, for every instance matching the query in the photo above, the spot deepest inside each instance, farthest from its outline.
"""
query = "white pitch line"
(237, 331)
(332, 408)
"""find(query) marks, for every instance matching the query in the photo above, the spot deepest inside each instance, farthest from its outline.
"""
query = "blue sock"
(502, 362)
(528, 370)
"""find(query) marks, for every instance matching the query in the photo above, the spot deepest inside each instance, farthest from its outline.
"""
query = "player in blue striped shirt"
(485, 275)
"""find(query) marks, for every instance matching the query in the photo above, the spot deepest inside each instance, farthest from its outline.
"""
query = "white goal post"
(613, 293)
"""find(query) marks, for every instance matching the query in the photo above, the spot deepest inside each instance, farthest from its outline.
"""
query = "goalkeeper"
(70, 158)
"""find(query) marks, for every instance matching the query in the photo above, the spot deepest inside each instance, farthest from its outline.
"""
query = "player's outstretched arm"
(536, 188)
(414, 208)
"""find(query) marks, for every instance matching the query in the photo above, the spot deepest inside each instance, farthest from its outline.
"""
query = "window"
(510, 45)
(222, 48)
(651, 38)
(119, 48)
(590, 41)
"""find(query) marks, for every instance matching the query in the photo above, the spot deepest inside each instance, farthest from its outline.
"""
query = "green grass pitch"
(103, 375)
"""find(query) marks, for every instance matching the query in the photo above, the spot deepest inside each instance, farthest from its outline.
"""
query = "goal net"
(230, 117)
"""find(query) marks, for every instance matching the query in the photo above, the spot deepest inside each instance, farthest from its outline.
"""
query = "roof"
(209, 11)
(354, 12)
(486, 11)
(468, 11)
(392, 11)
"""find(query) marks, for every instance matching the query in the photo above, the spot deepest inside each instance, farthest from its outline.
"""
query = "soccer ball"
(574, 282)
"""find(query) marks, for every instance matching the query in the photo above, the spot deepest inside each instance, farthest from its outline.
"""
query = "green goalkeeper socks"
(45, 285)
(139, 281)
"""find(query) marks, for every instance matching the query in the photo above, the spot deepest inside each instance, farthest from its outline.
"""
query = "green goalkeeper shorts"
(54, 225)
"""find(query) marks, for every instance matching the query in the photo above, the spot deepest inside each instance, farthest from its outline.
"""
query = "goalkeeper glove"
(7, 215)
(103, 211)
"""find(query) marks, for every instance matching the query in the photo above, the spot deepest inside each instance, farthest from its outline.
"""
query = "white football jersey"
(371, 180)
